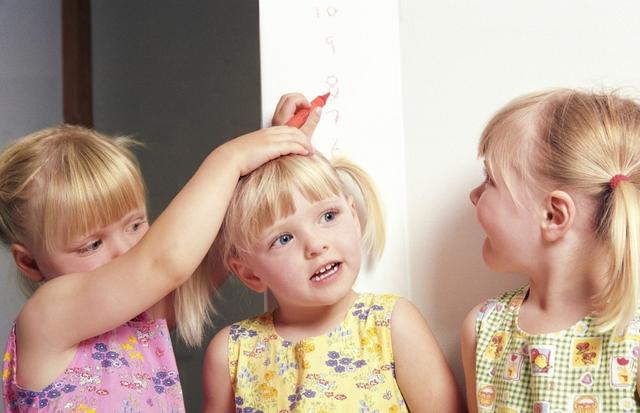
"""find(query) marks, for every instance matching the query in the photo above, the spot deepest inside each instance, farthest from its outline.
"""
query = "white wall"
(461, 62)
(30, 99)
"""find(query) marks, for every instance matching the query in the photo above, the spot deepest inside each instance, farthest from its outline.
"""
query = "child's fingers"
(267, 144)
(312, 121)
(292, 147)
(281, 102)
(287, 107)
(303, 138)
(295, 100)
(288, 134)
(272, 151)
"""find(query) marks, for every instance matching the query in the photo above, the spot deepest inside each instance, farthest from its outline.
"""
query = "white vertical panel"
(352, 50)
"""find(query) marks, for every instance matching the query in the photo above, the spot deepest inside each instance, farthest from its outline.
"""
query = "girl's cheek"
(482, 217)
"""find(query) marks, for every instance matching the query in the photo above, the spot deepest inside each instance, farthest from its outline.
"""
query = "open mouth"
(326, 272)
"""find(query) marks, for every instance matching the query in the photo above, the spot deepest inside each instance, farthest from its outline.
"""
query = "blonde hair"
(266, 195)
(61, 182)
(580, 141)
(193, 304)
(64, 181)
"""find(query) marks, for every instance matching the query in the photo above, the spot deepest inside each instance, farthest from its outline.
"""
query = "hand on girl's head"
(254, 149)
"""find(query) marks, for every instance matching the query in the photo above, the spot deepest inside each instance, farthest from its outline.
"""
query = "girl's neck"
(295, 323)
(560, 296)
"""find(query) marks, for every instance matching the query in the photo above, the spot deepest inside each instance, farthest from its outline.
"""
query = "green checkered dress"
(571, 371)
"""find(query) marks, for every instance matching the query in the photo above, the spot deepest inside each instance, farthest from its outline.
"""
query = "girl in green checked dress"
(297, 227)
(560, 203)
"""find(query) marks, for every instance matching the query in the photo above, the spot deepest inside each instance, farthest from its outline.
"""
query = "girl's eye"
(282, 240)
(91, 247)
(136, 226)
(329, 216)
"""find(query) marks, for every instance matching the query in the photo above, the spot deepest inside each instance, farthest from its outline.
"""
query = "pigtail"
(16, 173)
(19, 164)
(621, 219)
(192, 300)
(359, 185)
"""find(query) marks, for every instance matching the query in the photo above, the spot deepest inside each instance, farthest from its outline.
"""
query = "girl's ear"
(25, 262)
(560, 212)
(246, 275)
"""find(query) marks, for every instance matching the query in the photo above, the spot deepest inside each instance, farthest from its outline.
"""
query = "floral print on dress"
(351, 368)
(131, 369)
(575, 370)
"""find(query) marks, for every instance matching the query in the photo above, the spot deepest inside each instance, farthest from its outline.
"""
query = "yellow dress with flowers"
(350, 368)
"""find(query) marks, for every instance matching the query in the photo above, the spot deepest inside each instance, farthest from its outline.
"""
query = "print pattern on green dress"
(575, 370)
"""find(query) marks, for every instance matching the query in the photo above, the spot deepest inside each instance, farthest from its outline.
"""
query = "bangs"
(510, 143)
(86, 187)
(501, 146)
(266, 195)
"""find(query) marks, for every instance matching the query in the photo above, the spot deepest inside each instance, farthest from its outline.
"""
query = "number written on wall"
(332, 110)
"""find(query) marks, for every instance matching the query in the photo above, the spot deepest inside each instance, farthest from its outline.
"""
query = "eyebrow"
(134, 214)
(78, 242)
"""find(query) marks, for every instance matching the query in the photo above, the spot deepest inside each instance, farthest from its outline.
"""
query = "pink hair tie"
(617, 179)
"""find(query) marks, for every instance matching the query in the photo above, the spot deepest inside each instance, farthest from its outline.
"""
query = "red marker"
(301, 115)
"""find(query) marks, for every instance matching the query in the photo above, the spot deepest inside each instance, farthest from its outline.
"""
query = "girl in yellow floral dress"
(296, 226)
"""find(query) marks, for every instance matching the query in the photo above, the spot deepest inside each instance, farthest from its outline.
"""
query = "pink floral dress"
(130, 369)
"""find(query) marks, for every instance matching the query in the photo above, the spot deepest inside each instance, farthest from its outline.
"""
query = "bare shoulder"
(468, 337)
(216, 381)
(468, 333)
(423, 375)
(410, 331)
(217, 352)
(43, 355)
(406, 316)
(409, 327)
(468, 353)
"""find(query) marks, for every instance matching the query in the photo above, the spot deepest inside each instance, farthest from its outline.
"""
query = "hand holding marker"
(301, 115)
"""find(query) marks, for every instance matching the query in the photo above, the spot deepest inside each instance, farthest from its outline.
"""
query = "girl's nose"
(475, 193)
(315, 246)
(121, 244)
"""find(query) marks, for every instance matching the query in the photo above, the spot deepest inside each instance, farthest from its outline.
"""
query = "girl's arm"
(74, 307)
(424, 378)
(468, 346)
(216, 381)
